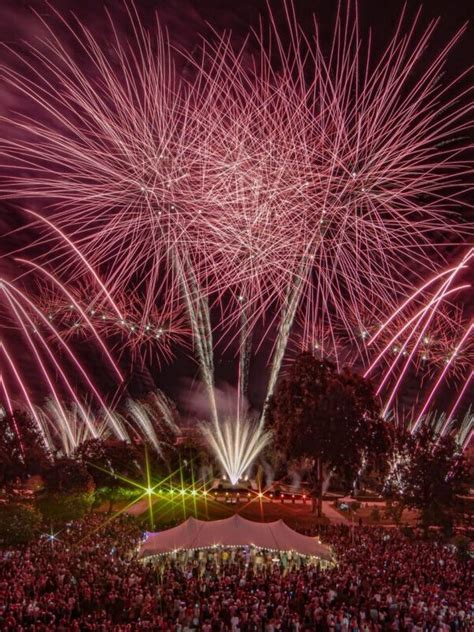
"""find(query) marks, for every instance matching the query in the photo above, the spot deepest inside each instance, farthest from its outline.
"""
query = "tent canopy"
(233, 531)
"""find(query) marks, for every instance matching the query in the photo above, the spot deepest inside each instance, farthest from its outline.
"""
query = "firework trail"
(142, 419)
(68, 427)
(245, 348)
(164, 409)
(198, 313)
(153, 420)
(309, 182)
(150, 420)
(441, 376)
(157, 339)
(458, 400)
(22, 319)
(441, 424)
(236, 443)
(466, 432)
(311, 202)
(406, 336)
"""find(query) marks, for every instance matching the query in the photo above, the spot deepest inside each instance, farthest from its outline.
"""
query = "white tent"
(231, 532)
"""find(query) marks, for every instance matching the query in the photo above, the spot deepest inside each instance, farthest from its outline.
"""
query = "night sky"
(186, 21)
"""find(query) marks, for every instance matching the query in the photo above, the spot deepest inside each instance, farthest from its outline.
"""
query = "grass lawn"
(162, 510)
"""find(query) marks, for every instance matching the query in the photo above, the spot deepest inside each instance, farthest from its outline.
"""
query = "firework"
(24, 325)
(158, 338)
(153, 420)
(303, 186)
(150, 420)
(407, 340)
(236, 443)
(66, 427)
(309, 191)
(442, 423)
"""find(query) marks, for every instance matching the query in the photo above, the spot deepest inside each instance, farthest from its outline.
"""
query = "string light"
(332, 561)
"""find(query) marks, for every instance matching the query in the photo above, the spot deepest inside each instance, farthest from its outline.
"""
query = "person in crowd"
(89, 578)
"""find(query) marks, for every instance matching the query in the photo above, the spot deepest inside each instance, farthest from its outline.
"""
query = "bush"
(57, 509)
(394, 511)
(68, 475)
(19, 524)
(112, 495)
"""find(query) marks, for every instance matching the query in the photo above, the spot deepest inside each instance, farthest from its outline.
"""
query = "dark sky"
(187, 19)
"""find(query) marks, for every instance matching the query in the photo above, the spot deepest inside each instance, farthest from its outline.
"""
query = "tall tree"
(330, 418)
(68, 475)
(107, 460)
(22, 449)
(110, 463)
(428, 473)
(68, 492)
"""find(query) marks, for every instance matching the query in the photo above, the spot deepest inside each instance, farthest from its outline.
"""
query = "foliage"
(329, 417)
(110, 461)
(191, 459)
(67, 475)
(58, 508)
(427, 473)
(22, 449)
(112, 495)
(19, 524)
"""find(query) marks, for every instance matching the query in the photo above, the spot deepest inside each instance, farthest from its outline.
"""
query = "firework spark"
(23, 320)
(236, 443)
(68, 426)
(426, 329)
(305, 186)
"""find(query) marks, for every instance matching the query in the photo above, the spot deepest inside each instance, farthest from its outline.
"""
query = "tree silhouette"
(22, 449)
(107, 460)
(428, 473)
(330, 418)
(111, 462)
(68, 475)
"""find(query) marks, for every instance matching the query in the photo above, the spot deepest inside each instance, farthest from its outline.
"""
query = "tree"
(107, 460)
(110, 463)
(190, 459)
(330, 418)
(23, 452)
(428, 473)
(19, 524)
(68, 494)
(57, 508)
(67, 475)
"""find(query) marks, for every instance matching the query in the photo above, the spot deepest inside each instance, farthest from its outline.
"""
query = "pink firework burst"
(307, 183)
(163, 332)
(324, 172)
(50, 359)
(420, 331)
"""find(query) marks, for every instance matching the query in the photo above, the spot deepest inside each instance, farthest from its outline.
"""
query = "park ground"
(160, 512)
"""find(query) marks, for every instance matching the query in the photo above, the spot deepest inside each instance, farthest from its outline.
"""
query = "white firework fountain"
(236, 444)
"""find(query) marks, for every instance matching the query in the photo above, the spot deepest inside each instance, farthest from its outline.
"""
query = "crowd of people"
(88, 577)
